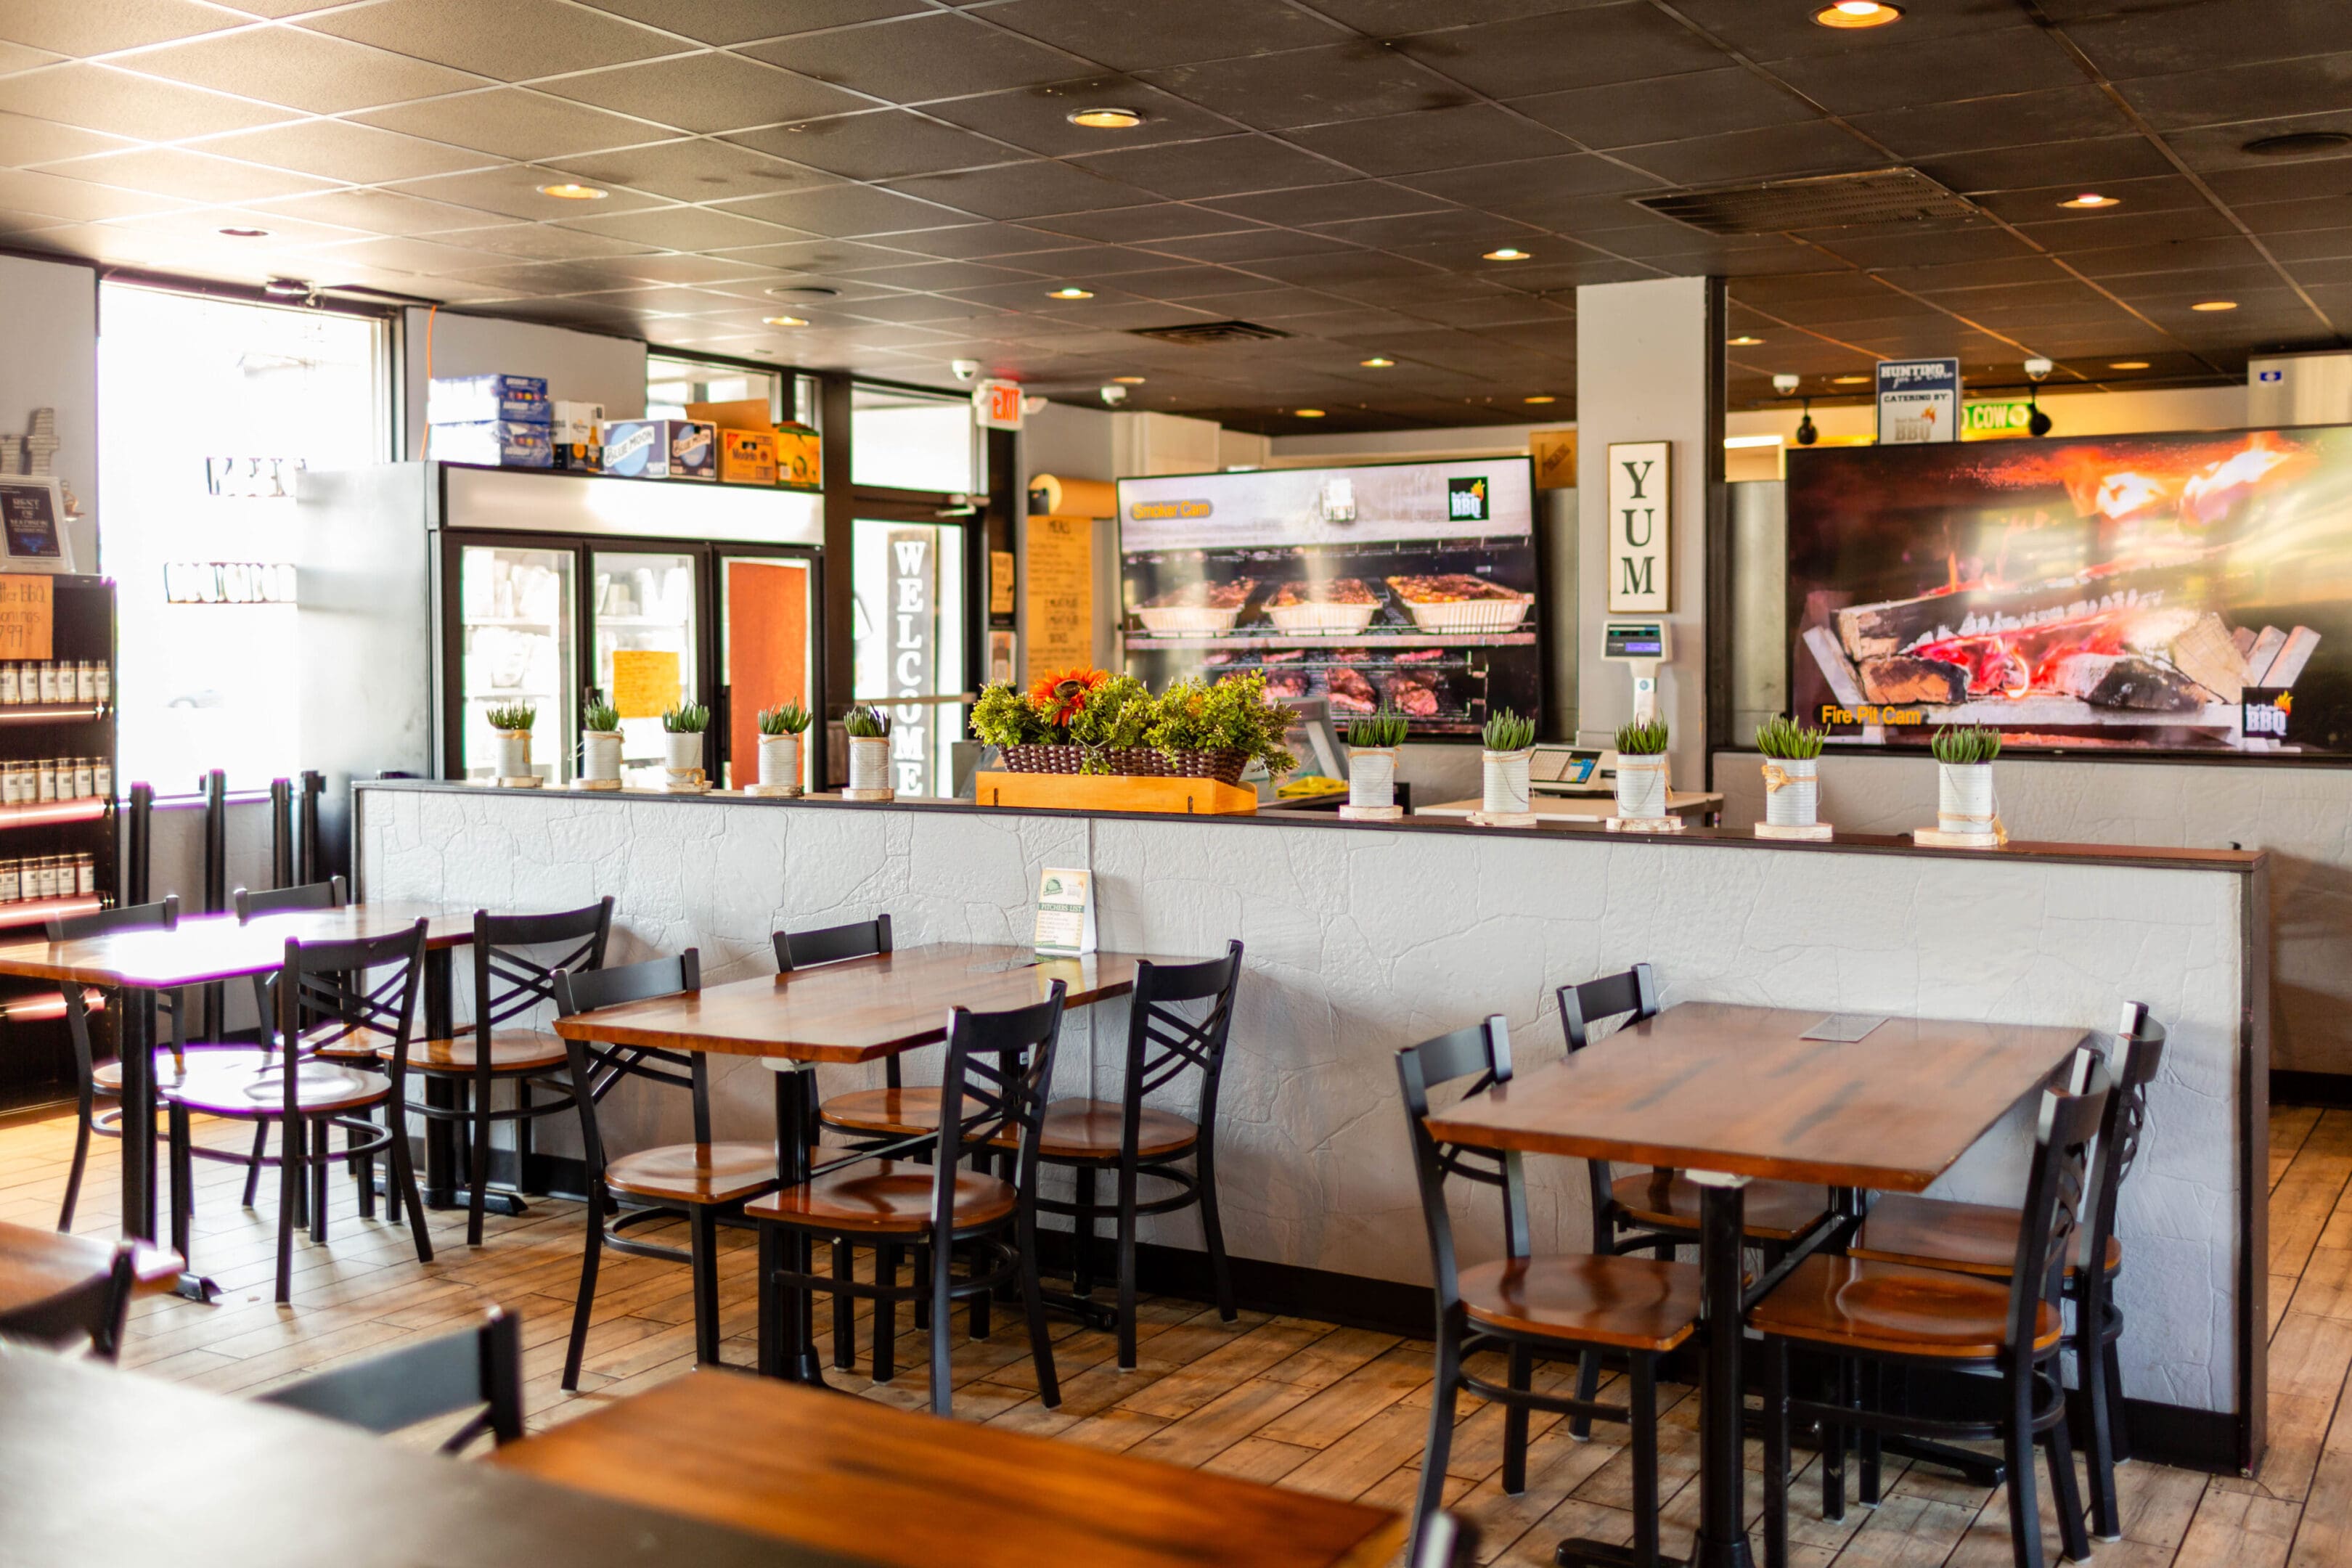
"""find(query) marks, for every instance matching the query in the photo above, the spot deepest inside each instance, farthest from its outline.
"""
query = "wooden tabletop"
(249, 1486)
(859, 1011)
(849, 1475)
(1711, 1087)
(205, 947)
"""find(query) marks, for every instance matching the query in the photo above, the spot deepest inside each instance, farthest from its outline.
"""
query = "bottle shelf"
(51, 1005)
(47, 812)
(37, 912)
(51, 712)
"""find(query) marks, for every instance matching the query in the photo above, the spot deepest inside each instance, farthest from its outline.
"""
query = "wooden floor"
(1340, 1411)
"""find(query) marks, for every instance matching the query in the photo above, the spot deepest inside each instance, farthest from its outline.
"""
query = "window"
(910, 440)
(207, 411)
(671, 384)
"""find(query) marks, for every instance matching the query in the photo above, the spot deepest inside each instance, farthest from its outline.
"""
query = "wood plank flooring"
(1305, 1405)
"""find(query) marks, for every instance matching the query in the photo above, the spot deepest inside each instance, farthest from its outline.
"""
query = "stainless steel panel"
(1759, 604)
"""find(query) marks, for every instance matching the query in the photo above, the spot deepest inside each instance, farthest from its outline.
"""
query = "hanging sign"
(913, 625)
(1639, 526)
(997, 405)
(1918, 401)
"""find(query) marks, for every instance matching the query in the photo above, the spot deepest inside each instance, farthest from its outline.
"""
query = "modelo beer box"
(754, 449)
(484, 399)
(493, 444)
(661, 448)
(575, 433)
(747, 457)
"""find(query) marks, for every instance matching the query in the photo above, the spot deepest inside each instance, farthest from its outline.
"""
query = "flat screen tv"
(2178, 593)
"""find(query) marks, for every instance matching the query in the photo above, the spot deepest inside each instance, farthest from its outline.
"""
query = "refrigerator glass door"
(767, 618)
(645, 641)
(516, 618)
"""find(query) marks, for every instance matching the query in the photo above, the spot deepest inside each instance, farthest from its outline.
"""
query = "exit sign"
(997, 405)
(1985, 419)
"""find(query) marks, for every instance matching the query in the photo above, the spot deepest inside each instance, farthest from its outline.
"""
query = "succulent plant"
(1787, 740)
(1385, 727)
(600, 717)
(513, 716)
(687, 719)
(789, 719)
(1507, 731)
(865, 722)
(1965, 747)
(1642, 738)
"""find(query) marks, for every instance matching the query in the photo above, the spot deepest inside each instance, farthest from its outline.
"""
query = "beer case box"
(493, 444)
(797, 458)
(661, 448)
(579, 456)
(487, 399)
(747, 457)
(575, 422)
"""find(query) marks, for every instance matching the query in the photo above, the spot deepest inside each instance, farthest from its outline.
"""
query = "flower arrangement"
(1087, 720)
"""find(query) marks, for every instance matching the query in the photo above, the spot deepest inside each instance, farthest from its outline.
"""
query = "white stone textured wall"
(1360, 940)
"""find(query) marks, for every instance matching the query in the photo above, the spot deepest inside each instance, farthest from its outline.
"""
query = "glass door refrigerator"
(517, 612)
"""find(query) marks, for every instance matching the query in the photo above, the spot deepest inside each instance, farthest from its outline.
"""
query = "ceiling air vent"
(1824, 201)
(1206, 332)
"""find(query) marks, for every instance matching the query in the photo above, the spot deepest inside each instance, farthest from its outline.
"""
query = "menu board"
(1058, 612)
(2187, 592)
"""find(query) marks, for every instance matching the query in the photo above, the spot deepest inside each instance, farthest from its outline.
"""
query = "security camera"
(964, 369)
(1784, 384)
(1114, 394)
(2038, 369)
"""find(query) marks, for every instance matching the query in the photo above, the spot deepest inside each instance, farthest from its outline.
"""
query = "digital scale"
(1570, 770)
(1643, 645)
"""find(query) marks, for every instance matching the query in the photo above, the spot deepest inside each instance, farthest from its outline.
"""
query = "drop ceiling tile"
(1533, 189)
(1631, 113)
(1245, 245)
(2066, 232)
(2286, 226)
(1311, 87)
(1329, 204)
(686, 229)
(907, 309)
(739, 21)
(1563, 49)
(1038, 118)
(705, 92)
(380, 212)
(423, 257)
(1778, 152)
(515, 123)
(513, 190)
(176, 171)
(878, 145)
(1092, 260)
(80, 27)
(849, 212)
(1219, 166)
(533, 280)
(1777, 34)
(695, 170)
(2229, 94)
(978, 241)
(18, 57)
(2139, 261)
(910, 59)
(509, 40)
(341, 150)
(1131, 35)
(49, 196)
(2160, 41)
(1894, 248)
(100, 98)
(1433, 138)
(1898, 72)
(2085, 165)
(1138, 224)
(1028, 189)
(543, 242)
(298, 68)
(2039, 203)
(923, 275)
(203, 224)
(819, 256)
(1462, 231)
(2212, 149)
(1972, 125)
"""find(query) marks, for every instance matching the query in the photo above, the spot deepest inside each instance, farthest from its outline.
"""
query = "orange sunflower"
(1060, 697)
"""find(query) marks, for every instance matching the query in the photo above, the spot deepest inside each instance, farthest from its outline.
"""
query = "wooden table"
(851, 1476)
(1731, 1093)
(112, 1470)
(204, 950)
(857, 1011)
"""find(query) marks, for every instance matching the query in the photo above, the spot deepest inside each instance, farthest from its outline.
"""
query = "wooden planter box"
(1115, 791)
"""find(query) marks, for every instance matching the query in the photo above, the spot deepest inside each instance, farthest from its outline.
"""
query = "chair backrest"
(480, 1366)
(2056, 1195)
(68, 1289)
(1163, 1044)
(509, 983)
(1481, 1053)
(586, 992)
(1633, 995)
(999, 1067)
(860, 938)
(326, 895)
(598, 1069)
(2140, 1052)
(323, 988)
(162, 915)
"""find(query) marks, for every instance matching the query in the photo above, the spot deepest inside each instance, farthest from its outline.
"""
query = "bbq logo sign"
(1466, 500)
(1639, 526)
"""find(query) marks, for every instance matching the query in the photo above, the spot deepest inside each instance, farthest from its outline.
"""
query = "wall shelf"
(37, 911)
(50, 811)
(51, 712)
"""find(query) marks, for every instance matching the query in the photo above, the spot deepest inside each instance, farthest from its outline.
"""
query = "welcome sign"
(1639, 526)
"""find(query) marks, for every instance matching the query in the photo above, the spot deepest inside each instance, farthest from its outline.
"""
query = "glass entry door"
(908, 640)
(767, 618)
(515, 638)
(646, 632)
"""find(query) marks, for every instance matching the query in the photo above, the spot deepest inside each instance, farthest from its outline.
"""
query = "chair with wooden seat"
(509, 984)
(61, 1290)
(1658, 1210)
(383, 1394)
(1981, 1240)
(997, 1069)
(701, 1183)
(96, 1080)
(325, 998)
(889, 1112)
(1527, 1306)
(1892, 1315)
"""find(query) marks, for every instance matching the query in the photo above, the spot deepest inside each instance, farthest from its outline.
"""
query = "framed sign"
(1918, 401)
(1640, 529)
(32, 524)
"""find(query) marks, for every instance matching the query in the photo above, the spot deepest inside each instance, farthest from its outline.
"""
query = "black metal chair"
(1981, 1240)
(1882, 1315)
(508, 984)
(997, 1069)
(1447, 1541)
(1658, 1210)
(480, 1366)
(700, 1183)
(307, 1095)
(865, 1113)
(1130, 1140)
(62, 1290)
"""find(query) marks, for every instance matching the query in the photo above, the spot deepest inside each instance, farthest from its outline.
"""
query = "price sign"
(27, 618)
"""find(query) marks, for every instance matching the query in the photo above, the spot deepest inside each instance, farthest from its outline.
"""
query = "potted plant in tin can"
(1791, 778)
(1965, 806)
(1508, 740)
(599, 746)
(1372, 742)
(1641, 771)
(780, 729)
(513, 722)
(682, 729)
(868, 731)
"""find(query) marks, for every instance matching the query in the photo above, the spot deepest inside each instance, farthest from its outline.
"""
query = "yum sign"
(1640, 533)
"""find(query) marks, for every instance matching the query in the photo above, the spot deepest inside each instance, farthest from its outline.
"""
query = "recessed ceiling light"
(1507, 253)
(783, 320)
(1128, 379)
(1743, 341)
(1106, 118)
(1858, 13)
(2092, 199)
(1848, 380)
(2214, 305)
(1543, 398)
(569, 192)
(2298, 144)
(1376, 362)
(247, 233)
(2128, 364)
(1308, 413)
(1071, 293)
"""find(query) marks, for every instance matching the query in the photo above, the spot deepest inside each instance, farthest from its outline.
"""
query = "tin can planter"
(780, 765)
(869, 768)
(514, 755)
(1964, 801)
(1503, 796)
(1371, 785)
(600, 760)
(1642, 788)
(1792, 791)
(682, 749)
